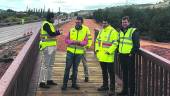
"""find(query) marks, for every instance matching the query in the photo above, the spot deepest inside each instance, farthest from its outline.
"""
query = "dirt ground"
(66, 27)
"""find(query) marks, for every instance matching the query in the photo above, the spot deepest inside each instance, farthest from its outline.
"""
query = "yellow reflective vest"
(47, 40)
(125, 41)
(79, 35)
(106, 41)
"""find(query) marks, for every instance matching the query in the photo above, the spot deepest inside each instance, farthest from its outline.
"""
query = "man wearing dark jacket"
(129, 44)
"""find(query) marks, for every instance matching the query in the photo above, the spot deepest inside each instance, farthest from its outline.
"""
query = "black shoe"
(43, 85)
(123, 93)
(111, 93)
(86, 79)
(132, 94)
(64, 87)
(75, 87)
(103, 88)
(51, 82)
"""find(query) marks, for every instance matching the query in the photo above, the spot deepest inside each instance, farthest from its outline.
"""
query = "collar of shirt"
(124, 30)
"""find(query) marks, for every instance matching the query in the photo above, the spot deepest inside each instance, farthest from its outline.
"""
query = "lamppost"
(59, 9)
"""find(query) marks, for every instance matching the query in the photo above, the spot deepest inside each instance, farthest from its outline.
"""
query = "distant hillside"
(1, 10)
(152, 23)
(164, 4)
(84, 13)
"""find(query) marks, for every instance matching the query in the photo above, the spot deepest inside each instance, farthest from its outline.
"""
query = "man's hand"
(76, 42)
(96, 29)
(61, 31)
(79, 44)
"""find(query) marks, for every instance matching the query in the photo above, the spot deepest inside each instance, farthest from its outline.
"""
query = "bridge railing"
(16, 23)
(152, 74)
(16, 79)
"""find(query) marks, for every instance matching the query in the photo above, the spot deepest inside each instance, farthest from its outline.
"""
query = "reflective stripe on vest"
(107, 43)
(125, 42)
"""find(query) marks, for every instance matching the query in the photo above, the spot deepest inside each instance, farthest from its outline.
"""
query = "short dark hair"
(80, 18)
(49, 15)
(126, 18)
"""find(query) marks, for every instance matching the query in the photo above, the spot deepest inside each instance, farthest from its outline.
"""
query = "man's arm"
(67, 39)
(49, 31)
(136, 42)
(97, 41)
(114, 42)
(89, 38)
(84, 42)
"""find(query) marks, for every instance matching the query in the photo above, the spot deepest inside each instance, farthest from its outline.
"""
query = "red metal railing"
(16, 79)
(152, 74)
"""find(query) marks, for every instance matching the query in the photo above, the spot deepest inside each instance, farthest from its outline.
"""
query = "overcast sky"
(67, 5)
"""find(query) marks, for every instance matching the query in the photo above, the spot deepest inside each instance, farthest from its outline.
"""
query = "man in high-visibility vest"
(48, 45)
(77, 40)
(128, 46)
(84, 60)
(105, 46)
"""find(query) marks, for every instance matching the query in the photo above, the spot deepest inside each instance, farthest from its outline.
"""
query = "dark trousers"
(108, 70)
(128, 67)
(72, 60)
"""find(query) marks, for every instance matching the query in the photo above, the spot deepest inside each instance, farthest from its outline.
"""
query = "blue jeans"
(72, 60)
(85, 66)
